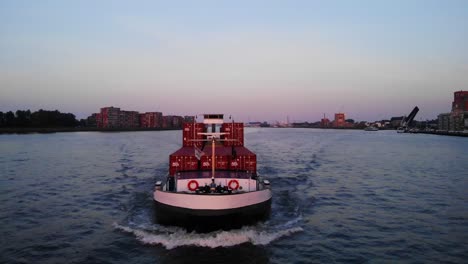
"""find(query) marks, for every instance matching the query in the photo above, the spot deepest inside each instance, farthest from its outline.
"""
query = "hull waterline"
(229, 212)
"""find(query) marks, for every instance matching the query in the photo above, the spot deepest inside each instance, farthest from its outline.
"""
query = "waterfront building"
(91, 121)
(325, 122)
(110, 117)
(444, 121)
(459, 111)
(457, 119)
(460, 102)
(151, 120)
(128, 119)
(166, 120)
(174, 121)
(143, 120)
(340, 121)
(98, 120)
(114, 117)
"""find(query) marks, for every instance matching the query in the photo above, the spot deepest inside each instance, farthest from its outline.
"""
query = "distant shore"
(30, 130)
(45, 130)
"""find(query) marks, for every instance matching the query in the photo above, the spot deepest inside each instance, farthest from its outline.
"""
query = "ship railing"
(171, 182)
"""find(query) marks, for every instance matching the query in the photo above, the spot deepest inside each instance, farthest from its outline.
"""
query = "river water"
(339, 196)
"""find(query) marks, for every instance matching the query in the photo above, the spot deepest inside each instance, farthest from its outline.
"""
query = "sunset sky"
(256, 60)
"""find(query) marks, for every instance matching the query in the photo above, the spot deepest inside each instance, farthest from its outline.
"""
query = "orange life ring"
(190, 185)
(235, 183)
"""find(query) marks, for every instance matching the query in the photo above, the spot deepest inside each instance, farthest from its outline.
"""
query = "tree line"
(41, 118)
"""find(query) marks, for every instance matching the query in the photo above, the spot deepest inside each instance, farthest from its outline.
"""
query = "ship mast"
(213, 120)
(213, 158)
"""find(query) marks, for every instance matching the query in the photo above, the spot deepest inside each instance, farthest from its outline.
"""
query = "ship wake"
(173, 237)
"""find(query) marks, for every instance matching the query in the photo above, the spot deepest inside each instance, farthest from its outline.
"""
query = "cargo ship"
(212, 181)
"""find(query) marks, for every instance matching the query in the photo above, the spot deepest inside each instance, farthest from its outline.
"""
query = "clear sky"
(256, 60)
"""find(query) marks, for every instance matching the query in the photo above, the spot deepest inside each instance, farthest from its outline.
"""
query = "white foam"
(176, 237)
(293, 222)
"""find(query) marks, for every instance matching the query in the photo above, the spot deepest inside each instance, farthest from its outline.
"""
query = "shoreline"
(50, 130)
(47, 130)
(444, 133)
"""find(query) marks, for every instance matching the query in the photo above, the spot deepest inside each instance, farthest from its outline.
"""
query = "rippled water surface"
(338, 196)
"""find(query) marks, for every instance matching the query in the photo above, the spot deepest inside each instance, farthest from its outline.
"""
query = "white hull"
(212, 201)
(208, 212)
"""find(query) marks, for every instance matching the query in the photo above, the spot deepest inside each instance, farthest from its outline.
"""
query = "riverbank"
(29, 130)
(445, 133)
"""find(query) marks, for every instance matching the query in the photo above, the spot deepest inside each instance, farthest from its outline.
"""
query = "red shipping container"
(222, 158)
(183, 160)
(191, 132)
(243, 159)
(234, 134)
(205, 163)
(221, 162)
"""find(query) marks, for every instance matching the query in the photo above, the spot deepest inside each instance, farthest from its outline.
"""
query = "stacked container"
(230, 155)
(190, 134)
(183, 160)
(222, 158)
(243, 159)
(234, 134)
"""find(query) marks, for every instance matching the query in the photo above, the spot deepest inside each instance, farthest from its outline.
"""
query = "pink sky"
(299, 59)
